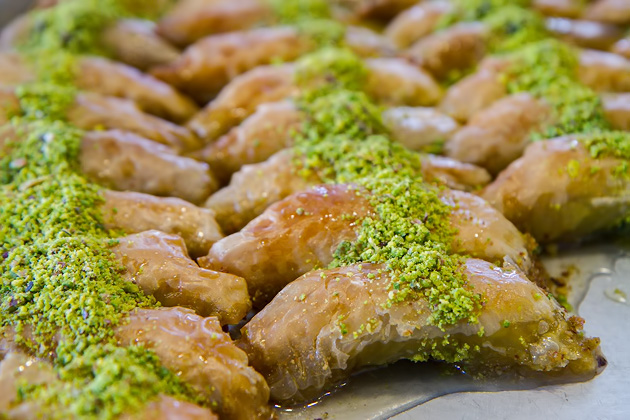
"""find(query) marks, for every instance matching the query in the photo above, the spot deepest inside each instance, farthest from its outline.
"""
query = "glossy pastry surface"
(208, 207)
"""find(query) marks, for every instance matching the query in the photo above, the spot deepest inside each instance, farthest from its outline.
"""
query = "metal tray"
(406, 391)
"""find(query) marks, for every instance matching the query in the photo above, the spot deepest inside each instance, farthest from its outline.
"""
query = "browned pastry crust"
(125, 161)
(205, 357)
(330, 323)
(582, 197)
(159, 264)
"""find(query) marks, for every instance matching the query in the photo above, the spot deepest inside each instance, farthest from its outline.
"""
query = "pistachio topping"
(62, 293)
(344, 141)
(547, 70)
(137, 371)
(479, 9)
(473, 10)
(287, 11)
(76, 26)
(330, 68)
(61, 290)
(607, 143)
(322, 32)
(511, 27)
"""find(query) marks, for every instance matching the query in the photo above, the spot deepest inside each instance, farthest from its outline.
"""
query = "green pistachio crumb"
(344, 141)
(291, 11)
(573, 168)
(60, 280)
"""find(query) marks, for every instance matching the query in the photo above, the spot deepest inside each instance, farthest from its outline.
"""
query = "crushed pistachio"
(475, 10)
(341, 112)
(564, 301)
(332, 68)
(44, 100)
(607, 144)
(61, 293)
(75, 26)
(138, 370)
(481, 332)
(573, 168)
(291, 11)
(344, 141)
(448, 350)
(470, 10)
(509, 24)
(511, 27)
(547, 70)
(60, 278)
(322, 32)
